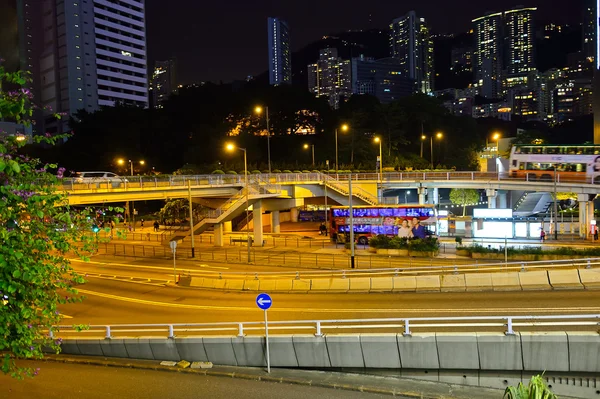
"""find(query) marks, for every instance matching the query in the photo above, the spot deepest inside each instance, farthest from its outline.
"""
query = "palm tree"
(537, 389)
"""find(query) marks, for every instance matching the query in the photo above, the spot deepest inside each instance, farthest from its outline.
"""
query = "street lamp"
(406, 194)
(344, 128)
(439, 136)
(496, 138)
(306, 147)
(259, 110)
(231, 147)
(423, 137)
(121, 161)
(378, 140)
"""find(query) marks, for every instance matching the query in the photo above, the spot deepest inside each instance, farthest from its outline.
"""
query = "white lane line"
(64, 316)
(128, 281)
(378, 310)
(145, 267)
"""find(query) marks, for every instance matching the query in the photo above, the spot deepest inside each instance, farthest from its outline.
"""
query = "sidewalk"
(392, 386)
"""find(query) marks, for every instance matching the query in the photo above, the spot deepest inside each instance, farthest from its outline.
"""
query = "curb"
(252, 377)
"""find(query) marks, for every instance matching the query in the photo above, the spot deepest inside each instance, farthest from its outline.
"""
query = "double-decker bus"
(370, 221)
(576, 163)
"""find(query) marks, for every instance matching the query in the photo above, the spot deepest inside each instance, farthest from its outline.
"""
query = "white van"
(99, 178)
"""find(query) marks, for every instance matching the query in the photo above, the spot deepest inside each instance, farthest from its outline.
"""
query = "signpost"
(173, 245)
(264, 302)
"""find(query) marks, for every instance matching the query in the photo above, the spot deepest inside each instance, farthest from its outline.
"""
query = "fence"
(406, 326)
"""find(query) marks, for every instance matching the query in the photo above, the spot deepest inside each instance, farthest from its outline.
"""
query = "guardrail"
(471, 324)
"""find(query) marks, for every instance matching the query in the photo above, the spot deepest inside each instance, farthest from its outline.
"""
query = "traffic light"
(95, 228)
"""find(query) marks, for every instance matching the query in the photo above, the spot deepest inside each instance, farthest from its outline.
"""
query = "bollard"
(256, 276)
(318, 333)
(396, 273)
(171, 331)
(297, 275)
(343, 274)
(108, 336)
(240, 330)
(509, 326)
(407, 328)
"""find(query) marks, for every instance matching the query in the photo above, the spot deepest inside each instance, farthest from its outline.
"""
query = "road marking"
(124, 279)
(64, 316)
(378, 310)
(146, 267)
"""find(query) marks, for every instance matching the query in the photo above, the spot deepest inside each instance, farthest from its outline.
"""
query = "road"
(66, 381)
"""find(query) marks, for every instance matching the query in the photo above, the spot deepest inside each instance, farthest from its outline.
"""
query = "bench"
(245, 240)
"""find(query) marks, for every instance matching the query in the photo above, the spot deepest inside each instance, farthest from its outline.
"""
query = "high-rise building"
(383, 79)
(590, 27)
(487, 57)
(330, 77)
(411, 45)
(84, 54)
(280, 63)
(163, 82)
(520, 40)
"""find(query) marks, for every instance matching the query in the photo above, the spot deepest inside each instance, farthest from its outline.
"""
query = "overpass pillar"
(275, 225)
(218, 232)
(422, 193)
(590, 210)
(294, 215)
(502, 199)
(491, 196)
(258, 224)
(227, 227)
(586, 214)
(435, 197)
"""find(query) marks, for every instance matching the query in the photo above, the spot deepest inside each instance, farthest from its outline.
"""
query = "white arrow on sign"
(262, 301)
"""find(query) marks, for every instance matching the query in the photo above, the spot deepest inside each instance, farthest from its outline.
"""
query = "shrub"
(458, 240)
(428, 244)
(232, 172)
(276, 171)
(218, 172)
(256, 172)
(287, 171)
(537, 388)
(306, 171)
(316, 171)
(297, 171)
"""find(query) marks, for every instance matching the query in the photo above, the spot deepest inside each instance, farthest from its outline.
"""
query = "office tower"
(330, 77)
(590, 27)
(163, 82)
(411, 45)
(280, 64)
(383, 79)
(84, 54)
(520, 40)
(487, 57)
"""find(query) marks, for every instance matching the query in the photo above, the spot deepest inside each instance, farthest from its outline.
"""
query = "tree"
(37, 230)
(537, 388)
(464, 197)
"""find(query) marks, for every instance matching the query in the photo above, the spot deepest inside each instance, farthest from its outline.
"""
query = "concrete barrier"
(311, 351)
(197, 282)
(499, 351)
(69, 346)
(234, 284)
(251, 285)
(164, 349)
(339, 285)
(282, 352)
(249, 351)
(479, 282)
(139, 348)
(506, 281)
(301, 285)
(219, 350)
(360, 284)
(283, 285)
(380, 351)
(191, 349)
(564, 279)
(545, 351)
(345, 351)
(219, 284)
(113, 348)
(382, 284)
(320, 284)
(457, 352)
(418, 351)
(453, 283)
(405, 284)
(584, 352)
(428, 283)
(537, 280)
(267, 285)
(89, 347)
(590, 278)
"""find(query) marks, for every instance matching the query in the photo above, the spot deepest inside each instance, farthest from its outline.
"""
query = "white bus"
(574, 163)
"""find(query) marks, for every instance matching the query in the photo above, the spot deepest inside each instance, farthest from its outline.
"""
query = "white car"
(99, 178)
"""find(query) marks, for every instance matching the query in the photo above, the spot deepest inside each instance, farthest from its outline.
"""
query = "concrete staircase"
(532, 203)
(364, 197)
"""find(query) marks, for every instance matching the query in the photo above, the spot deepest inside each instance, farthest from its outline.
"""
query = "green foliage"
(464, 197)
(38, 230)
(256, 172)
(534, 250)
(429, 244)
(458, 240)
(386, 242)
(537, 389)
(218, 172)
(287, 171)
(231, 172)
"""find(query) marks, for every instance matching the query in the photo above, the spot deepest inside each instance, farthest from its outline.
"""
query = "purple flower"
(56, 312)
(29, 326)
(60, 172)
(31, 348)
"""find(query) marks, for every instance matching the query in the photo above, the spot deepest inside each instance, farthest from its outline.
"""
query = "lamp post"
(132, 214)
(423, 137)
(258, 110)
(406, 194)
(344, 129)
(378, 140)
(230, 147)
(439, 136)
(306, 147)
(496, 138)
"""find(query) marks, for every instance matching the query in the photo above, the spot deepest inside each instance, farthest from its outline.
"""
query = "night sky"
(227, 39)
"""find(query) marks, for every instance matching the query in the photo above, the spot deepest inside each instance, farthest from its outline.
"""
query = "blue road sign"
(264, 301)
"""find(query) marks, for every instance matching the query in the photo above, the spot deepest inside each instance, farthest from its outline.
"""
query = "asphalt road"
(65, 381)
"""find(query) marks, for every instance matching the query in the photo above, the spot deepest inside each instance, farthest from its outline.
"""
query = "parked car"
(99, 178)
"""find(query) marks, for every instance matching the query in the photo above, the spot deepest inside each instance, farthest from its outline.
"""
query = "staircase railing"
(342, 188)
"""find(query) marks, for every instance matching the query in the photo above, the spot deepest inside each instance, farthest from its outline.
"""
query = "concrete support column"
(502, 200)
(227, 227)
(590, 217)
(491, 196)
(218, 232)
(422, 191)
(294, 215)
(275, 225)
(583, 200)
(435, 196)
(258, 224)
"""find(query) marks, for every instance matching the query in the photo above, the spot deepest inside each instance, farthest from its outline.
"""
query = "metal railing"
(406, 326)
